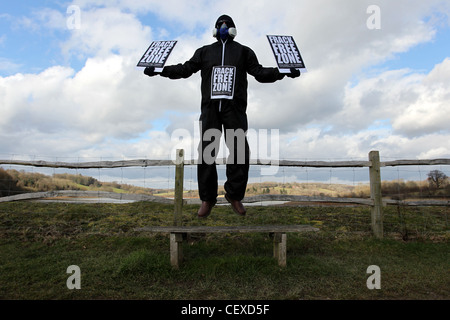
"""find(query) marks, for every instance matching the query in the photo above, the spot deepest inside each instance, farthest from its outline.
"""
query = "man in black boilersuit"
(224, 65)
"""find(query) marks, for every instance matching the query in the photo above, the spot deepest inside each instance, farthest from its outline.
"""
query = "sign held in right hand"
(287, 55)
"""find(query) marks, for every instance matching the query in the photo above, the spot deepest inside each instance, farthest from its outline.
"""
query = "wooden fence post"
(375, 194)
(179, 177)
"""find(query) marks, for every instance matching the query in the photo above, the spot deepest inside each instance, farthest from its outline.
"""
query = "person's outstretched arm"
(178, 71)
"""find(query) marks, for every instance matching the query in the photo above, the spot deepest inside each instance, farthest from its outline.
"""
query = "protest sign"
(222, 82)
(286, 53)
(157, 54)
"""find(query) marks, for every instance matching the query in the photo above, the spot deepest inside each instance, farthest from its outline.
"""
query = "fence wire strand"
(402, 184)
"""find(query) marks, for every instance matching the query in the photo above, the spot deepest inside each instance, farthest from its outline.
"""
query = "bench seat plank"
(229, 229)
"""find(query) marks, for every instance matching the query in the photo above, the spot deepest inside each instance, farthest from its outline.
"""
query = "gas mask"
(223, 31)
(225, 28)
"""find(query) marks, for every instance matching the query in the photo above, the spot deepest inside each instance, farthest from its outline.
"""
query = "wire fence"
(415, 194)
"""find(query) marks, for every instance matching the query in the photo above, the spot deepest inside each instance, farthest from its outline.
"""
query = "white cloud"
(8, 66)
(103, 31)
(415, 103)
(105, 107)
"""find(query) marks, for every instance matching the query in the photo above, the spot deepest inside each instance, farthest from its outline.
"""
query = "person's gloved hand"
(294, 73)
(150, 71)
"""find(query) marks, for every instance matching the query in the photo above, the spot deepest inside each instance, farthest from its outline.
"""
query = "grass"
(38, 241)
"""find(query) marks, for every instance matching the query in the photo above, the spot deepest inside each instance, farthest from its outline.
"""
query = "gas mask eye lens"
(222, 24)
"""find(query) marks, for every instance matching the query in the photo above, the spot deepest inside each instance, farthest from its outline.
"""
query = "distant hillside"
(15, 182)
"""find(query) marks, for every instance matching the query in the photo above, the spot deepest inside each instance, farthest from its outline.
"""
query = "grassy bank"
(38, 241)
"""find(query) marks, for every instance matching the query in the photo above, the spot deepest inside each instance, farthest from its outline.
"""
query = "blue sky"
(38, 45)
(424, 56)
(77, 94)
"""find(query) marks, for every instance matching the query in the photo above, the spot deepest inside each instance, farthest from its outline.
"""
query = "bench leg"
(176, 249)
(279, 248)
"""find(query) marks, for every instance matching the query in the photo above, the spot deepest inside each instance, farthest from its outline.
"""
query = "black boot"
(205, 208)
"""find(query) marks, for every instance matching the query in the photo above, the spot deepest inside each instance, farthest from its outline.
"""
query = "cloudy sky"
(378, 78)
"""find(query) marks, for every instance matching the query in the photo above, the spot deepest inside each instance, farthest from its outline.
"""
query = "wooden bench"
(177, 232)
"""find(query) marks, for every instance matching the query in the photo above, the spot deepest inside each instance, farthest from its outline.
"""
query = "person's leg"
(235, 124)
(208, 148)
(237, 167)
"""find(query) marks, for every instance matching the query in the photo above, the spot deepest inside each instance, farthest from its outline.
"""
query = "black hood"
(226, 18)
